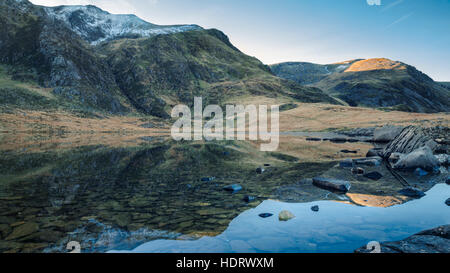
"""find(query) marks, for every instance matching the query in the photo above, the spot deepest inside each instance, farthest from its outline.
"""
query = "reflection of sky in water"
(337, 227)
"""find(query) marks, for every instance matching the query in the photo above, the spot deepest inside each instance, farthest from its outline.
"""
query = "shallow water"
(149, 195)
(337, 227)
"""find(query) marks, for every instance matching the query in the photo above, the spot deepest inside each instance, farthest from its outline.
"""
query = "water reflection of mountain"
(119, 197)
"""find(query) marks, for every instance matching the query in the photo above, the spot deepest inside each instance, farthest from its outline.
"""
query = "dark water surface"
(150, 196)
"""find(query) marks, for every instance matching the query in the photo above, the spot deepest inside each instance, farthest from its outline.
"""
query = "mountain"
(95, 25)
(380, 83)
(81, 58)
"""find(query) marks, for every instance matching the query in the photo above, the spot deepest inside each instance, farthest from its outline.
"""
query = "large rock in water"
(431, 241)
(421, 158)
(386, 133)
(332, 184)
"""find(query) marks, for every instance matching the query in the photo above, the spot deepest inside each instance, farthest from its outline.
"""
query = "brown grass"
(322, 117)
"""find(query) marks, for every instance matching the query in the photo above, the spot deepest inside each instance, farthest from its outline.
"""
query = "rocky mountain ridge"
(379, 82)
(60, 50)
(95, 25)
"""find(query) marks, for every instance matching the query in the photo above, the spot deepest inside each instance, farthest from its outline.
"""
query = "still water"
(156, 195)
(336, 228)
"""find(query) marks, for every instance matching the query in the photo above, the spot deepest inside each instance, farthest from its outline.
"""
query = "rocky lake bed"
(153, 193)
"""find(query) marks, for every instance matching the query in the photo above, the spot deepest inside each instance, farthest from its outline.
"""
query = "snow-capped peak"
(96, 25)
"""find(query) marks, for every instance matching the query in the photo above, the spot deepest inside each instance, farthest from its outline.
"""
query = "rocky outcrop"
(80, 52)
(332, 184)
(431, 241)
(411, 138)
(372, 83)
(95, 25)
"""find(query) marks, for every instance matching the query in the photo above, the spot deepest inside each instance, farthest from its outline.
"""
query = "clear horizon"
(319, 31)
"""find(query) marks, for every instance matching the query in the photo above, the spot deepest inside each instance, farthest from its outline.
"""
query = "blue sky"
(321, 31)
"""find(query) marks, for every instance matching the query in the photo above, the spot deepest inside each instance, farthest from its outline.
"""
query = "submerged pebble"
(260, 170)
(373, 175)
(233, 188)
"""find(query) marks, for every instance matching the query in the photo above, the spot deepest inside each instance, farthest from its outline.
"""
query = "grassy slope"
(196, 63)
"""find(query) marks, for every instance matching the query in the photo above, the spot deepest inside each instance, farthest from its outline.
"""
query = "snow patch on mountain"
(96, 25)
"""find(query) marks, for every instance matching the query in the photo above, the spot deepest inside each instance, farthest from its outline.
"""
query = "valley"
(86, 152)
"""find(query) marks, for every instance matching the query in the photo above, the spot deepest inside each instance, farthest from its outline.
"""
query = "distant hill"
(380, 83)
(82, 58)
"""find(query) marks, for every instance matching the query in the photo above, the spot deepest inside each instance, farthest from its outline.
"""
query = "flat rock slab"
(332, 184)
(373, 175)
(431, 241)
(369, 161)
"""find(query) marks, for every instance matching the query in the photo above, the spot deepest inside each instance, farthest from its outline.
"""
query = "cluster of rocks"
(286, 215)
(431, 241)
(420, 151)
(412, 148)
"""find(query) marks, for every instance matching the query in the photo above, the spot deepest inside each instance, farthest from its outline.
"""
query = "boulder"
(431, 241)
(447, 202)
(375, 152)
(332, 184)
(315, 208)
(412, 192)
(447, 181)
(386, 133)
(420, 158)
(373, 175)
(260, 170)
(286, 216)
